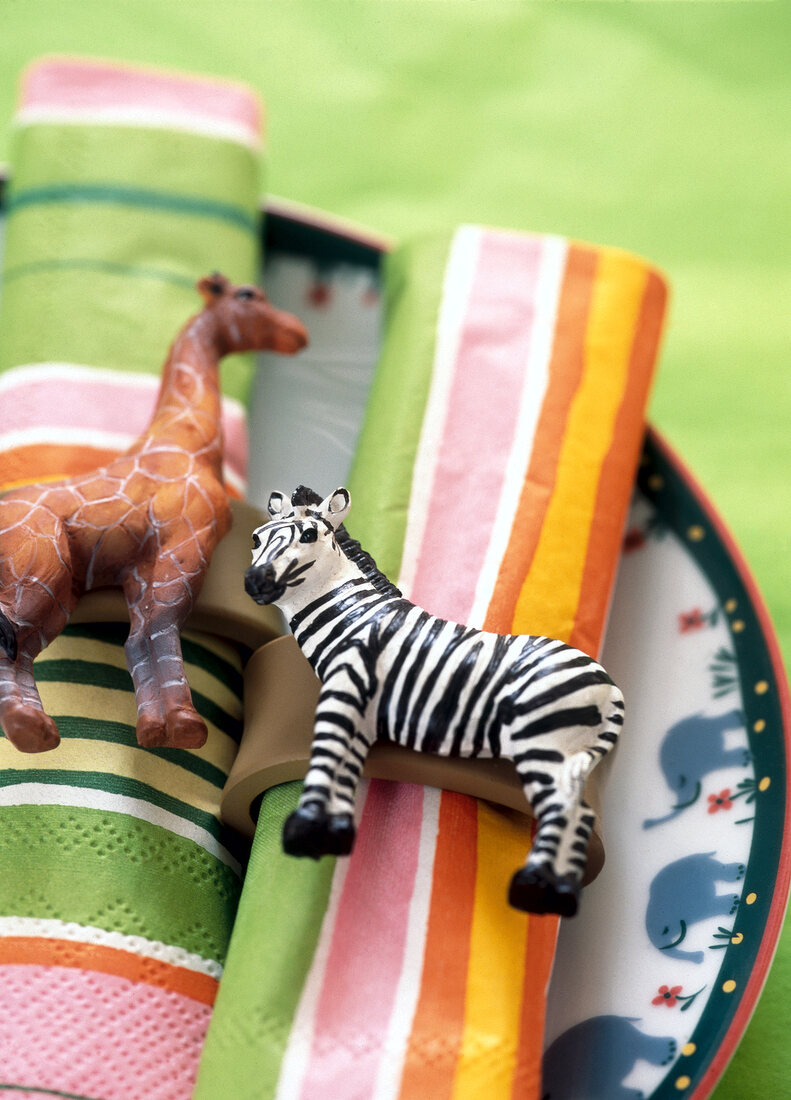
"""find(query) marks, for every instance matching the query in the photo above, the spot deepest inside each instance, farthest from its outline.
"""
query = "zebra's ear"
(278, 504)
(336, 506)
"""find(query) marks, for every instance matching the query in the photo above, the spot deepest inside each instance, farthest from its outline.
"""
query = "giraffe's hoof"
(30, 729)
(310, 831)
(539, 890)
(185, 729)
(178, 729)
(151, 732)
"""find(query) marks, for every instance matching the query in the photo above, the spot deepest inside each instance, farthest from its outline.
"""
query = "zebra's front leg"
(551, 880)
(323, 822)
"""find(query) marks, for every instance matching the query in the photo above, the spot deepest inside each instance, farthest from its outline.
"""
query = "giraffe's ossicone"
(148, 522)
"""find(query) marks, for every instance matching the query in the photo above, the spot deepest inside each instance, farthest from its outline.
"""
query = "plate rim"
(772, 928)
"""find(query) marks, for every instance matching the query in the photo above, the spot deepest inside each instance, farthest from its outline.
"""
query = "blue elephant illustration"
(685, 892)
(591, 1060)
(691, 749)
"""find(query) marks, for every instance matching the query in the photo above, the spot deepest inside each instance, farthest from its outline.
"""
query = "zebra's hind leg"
(553, 777)
(551, 880)
(323, 822)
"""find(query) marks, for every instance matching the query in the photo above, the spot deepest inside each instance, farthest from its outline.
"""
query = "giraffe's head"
(297, 545)
(245, 320)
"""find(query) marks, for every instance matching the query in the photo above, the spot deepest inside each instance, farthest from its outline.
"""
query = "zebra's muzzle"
(260, 584)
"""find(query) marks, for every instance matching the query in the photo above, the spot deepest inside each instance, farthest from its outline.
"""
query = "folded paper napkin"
(119, 883)
(491, 482)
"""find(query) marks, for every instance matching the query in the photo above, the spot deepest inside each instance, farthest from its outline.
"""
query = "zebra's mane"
(302, 497)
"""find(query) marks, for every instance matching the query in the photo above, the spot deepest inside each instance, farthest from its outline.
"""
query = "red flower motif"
(691, 620)
(319, 295)
(721, 801)
(634, 539)
(667, 996)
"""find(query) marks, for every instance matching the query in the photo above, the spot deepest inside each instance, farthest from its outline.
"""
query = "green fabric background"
(661, 127)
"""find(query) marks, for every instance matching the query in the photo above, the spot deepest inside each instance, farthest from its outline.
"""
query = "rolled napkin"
(120, 883)
(491, 483)
(127, 186)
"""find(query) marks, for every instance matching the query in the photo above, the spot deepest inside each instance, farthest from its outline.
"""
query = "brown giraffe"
(148, 522)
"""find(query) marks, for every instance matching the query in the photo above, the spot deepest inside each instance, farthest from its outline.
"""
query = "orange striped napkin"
(491, 481)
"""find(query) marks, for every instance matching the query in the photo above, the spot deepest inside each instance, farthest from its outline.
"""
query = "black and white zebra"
(391, 671)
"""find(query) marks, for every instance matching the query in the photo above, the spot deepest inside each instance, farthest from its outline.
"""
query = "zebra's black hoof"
(310, 831)
(538, 890)
(341, 832)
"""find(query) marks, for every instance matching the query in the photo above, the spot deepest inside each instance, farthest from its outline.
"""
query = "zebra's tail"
(8, 637)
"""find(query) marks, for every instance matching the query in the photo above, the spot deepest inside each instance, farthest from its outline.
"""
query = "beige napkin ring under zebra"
(280, 694)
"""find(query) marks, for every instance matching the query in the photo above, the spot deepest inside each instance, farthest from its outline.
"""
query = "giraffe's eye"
(310, 535)
(256, 540)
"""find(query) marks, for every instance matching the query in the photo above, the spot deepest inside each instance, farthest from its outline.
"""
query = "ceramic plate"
(657, 976)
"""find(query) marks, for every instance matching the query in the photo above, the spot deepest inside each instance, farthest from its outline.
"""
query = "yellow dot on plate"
(696, 532)
(730, 606)
(688, 1048)
(751, 899)
(759, 726)
(729, 986)
(683, 1082)
(656, 481)
(737, 938)
(762, 786)
(761, 687)
(737, 626)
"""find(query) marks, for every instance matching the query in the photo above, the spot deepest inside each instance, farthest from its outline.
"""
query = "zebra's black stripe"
(491, 686)
(560, 719)
(391, 629)
(417, 663)
(553, 695)
(447, 704)
(459, 634)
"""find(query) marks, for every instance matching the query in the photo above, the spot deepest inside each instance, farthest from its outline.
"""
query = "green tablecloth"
(661, 127)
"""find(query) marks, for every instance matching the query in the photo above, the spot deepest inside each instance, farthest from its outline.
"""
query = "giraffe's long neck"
(187, 414)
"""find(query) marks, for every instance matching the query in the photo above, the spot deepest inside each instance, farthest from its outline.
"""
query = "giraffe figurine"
(148, 522)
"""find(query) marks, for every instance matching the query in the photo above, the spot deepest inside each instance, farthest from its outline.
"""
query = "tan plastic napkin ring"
(281, 692)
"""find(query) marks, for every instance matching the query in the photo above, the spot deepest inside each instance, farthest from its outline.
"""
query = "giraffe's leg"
(166, 714)
(323, 822)
(35, 614)
(22, 715)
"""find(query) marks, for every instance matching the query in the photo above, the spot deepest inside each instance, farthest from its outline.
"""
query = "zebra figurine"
(391, 671)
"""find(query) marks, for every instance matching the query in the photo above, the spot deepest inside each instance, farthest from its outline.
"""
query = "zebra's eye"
(310, 535)
(256, 540)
